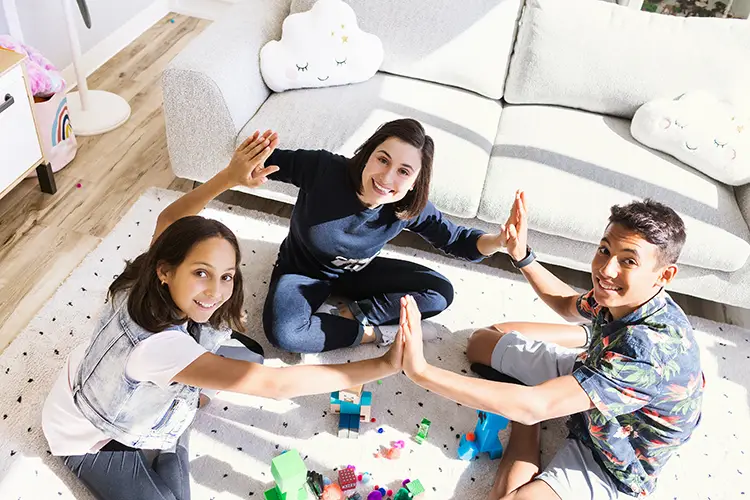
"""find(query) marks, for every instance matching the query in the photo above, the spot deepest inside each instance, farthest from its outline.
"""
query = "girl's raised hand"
(246, 167)
(411, 330)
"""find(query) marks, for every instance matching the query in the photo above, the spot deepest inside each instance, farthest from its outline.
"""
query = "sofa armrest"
(742, 194)
(214, 86)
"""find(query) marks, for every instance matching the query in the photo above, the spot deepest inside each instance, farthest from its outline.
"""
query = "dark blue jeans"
(289, 317)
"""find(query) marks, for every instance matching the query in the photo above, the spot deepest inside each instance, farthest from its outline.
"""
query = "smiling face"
(627, 271)
(204, 280)
(390, 172)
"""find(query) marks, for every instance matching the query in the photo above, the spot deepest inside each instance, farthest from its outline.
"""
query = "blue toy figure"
(353, 406)
(484, 438)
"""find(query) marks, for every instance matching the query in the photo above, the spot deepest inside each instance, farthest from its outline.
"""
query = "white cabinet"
(20, 151)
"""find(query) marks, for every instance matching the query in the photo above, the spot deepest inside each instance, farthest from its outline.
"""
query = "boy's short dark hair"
(656, 223)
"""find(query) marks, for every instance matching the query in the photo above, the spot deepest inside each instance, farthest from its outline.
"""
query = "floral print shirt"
(643, 375)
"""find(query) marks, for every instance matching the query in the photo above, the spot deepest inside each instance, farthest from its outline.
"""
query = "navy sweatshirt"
(332, 232)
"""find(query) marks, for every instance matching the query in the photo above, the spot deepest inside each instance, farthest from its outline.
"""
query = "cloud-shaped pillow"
(699, 130)
(320, 48)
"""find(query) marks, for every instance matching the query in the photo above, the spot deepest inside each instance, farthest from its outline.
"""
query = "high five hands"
(410, 333)
(516, 228)
(512, 234)
(247, 165)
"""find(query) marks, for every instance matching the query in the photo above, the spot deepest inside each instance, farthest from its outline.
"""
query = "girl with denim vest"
(136, 385)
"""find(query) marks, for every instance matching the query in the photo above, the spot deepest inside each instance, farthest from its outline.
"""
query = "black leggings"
(289, 317)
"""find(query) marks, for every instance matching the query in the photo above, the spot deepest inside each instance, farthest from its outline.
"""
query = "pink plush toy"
(44, 78)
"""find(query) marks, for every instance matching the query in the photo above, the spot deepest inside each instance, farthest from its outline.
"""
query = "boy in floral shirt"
(634, 394)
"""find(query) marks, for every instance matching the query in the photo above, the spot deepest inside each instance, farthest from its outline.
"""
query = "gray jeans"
(118, 472)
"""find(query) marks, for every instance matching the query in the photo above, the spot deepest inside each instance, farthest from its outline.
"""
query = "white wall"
(3, 24)
(43, 24)
(741, 8)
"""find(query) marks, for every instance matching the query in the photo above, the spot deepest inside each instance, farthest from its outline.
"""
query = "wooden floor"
(44, 237)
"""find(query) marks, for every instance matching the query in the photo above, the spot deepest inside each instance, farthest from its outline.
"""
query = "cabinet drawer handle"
(8, 102)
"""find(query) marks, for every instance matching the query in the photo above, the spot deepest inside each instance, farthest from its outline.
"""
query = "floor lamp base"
(106, 112)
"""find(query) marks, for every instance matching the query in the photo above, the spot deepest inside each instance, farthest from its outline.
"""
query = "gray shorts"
(573, 473)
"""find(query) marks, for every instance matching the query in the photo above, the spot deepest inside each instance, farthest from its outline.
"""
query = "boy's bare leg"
(482, 342)
(520, 462)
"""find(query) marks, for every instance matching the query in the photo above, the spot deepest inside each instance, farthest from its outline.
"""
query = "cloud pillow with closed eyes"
(320, 48)
(700, 130)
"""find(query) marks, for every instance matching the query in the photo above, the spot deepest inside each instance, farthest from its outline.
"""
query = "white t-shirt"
(157, 359)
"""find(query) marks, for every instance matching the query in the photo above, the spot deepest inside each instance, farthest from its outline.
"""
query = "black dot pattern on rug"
(394, 409)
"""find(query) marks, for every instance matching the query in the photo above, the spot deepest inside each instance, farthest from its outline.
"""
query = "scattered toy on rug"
(353, 406)
(290, 475)
(484, 438)
(424, 429)
(347, 479)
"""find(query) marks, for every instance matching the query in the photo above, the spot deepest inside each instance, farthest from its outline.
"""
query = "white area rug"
(235, 438)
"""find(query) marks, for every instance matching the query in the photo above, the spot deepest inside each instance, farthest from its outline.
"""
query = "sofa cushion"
(610, 59)
(339, 119)
(465, 44)
(574, 165)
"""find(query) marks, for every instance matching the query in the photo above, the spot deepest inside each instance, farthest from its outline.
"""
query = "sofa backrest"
(464, 43)
(610, 59)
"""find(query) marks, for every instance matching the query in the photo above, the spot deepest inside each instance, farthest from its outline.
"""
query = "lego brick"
(354, 427)
(344, 421)
(424, 429)
(415, 487)
(349, 408)
(352, 393)
(272, 494)
(347, 479)
(289, 471)
(365, 413)
(366, 399)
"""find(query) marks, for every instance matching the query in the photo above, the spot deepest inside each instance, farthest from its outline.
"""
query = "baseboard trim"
(94, 58)
(204, 9)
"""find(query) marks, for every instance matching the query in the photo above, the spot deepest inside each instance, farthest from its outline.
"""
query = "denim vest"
(137, 414)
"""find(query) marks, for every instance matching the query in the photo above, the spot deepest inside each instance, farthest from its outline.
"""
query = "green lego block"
(272, 494)
(301, 495)
(424, 429)
(289, 472)
(415, 487)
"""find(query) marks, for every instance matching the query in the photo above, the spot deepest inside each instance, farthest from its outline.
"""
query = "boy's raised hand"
(516, 228)
(246, 167)
(411, 330)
